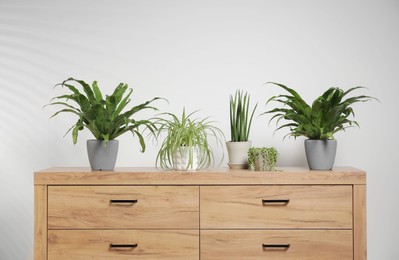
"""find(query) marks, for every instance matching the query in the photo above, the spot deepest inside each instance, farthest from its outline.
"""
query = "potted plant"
(104, 117)
(186, 145)
(262, 159)
(240, 126)
(328, 114)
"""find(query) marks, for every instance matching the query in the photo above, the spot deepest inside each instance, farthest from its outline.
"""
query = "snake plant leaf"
(240, 116)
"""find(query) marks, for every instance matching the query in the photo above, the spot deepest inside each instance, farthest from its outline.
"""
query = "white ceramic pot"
(238, 154)
(181, 159)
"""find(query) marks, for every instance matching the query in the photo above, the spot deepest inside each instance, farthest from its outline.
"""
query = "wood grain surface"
(89, 207)
(303, 244)
(309, 207)
(95, 244)
(222, 176)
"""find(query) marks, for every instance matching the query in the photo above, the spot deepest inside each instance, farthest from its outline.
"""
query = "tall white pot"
(238, 154)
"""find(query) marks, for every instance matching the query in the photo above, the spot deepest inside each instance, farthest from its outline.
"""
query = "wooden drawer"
(268, 207)
(154, 244)
(303, 244)
(90, 207)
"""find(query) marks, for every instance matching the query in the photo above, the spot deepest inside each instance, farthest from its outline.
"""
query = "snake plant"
(105, 117)
(189, 133)
(240, 119)
(328, 114)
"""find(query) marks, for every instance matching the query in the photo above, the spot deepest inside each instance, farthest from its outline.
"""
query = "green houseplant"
(328, 114)
(105, 117)
(262, 159)
(186, 145)
(240, 125)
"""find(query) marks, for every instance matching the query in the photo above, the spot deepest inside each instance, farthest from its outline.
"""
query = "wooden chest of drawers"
(142, 213)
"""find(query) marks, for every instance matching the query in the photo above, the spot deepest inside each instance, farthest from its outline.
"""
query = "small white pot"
(238, 154)
(181, 159)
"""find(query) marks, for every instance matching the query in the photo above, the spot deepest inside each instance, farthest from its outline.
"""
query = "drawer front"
(114, 207)
(276, 207)
(132, 244)
(276, 244)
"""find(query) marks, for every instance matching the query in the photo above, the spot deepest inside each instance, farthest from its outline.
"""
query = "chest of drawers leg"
(40, 229)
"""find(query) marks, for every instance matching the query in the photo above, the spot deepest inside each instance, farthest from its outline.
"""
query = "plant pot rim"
(321, 140)
(101, 140)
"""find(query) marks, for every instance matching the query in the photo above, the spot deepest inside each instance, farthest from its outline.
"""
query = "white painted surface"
(196, 53)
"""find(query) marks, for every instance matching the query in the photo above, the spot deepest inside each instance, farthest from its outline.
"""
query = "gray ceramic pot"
(320, 154)
(102, 157)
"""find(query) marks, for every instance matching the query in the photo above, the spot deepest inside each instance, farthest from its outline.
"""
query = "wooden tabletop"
(220, 176)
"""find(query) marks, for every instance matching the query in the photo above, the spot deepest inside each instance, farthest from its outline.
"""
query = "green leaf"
(97, 92)
(103, 118)
(328, 114)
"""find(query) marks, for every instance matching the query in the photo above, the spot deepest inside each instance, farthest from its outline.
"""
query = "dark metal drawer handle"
(275, 201)
(123, 245)
(276, 246)
(123, 201)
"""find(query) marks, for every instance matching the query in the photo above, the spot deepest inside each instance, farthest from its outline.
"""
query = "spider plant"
(104, 117)
(240, 122)
(328, 114)
(186, 134)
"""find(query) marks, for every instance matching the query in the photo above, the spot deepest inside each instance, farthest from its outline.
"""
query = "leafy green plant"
(187, 132)
(104, 117)
(327, 115)
(240, 122)
(262, 159)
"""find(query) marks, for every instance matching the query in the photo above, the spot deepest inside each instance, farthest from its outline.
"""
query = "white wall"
(196, 53)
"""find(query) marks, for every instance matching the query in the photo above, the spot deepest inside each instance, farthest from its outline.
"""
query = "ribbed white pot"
(238, 154)
(181, 159)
